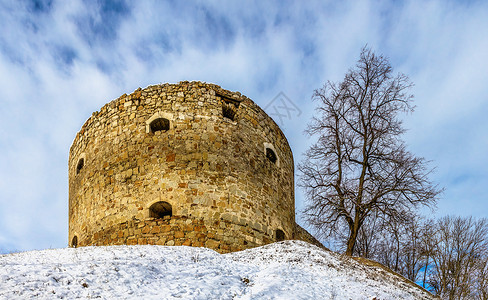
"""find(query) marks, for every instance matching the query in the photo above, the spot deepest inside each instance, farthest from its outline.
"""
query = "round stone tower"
(181, 164)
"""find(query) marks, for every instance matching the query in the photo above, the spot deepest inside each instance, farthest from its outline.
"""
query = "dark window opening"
(271, 155)
(160, 124)
(74, 242)
(80, 165)
(228, 111)
(160, 209)
(280, 235)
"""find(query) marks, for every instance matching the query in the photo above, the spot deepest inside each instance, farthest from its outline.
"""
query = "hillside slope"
(285, 270)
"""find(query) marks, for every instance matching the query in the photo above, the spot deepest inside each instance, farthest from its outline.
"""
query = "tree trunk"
(425, 271)
(351, 242)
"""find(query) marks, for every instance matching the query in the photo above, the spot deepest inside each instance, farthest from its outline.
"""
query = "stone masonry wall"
(180, 231)
(304, 235)
(226, 192)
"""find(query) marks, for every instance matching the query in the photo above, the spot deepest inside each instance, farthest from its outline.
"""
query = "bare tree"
(359, 166)
(459, 254)
(426, 248)
(370, 238)
(481, 279)
(397, 244)
(413, 254)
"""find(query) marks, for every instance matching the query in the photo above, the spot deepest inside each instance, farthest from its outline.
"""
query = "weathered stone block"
(212, 244)
(155, 229)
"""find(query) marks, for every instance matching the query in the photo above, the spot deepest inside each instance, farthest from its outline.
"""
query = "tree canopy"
(359, 165)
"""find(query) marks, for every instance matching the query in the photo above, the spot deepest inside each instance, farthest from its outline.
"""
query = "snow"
(284, 270)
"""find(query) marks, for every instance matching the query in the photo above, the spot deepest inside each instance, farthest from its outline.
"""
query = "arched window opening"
(160, 209)
(228, 111)
(74, 242)
(271, 155)
(280, 235)
(160, 124)
(80, 165)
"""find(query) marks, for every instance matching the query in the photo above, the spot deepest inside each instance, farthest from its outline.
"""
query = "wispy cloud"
(59, 61)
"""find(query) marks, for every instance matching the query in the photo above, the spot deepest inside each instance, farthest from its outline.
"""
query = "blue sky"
(62, 60)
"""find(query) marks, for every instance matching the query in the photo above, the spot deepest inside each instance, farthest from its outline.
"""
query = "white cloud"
(59, 65)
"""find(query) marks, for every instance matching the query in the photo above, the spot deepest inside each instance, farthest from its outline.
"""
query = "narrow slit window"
(271, 155)
(160, 124)
(80, 165)
(160, 209)
(74, 242)
(280, 235)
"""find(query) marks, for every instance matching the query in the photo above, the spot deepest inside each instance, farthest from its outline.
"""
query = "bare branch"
(359, 166)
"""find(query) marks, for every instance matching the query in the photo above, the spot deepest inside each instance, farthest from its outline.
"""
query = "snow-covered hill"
(285, 270)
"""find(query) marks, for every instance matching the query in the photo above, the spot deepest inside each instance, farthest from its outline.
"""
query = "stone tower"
(182, 164)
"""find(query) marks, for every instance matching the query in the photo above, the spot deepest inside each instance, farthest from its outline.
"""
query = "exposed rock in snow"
(284, 270)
